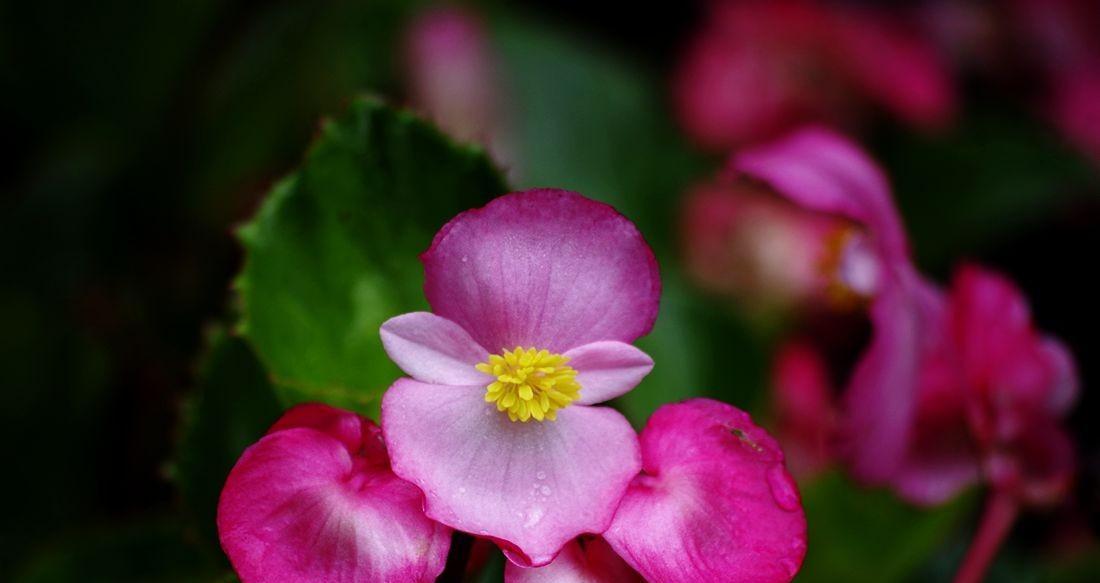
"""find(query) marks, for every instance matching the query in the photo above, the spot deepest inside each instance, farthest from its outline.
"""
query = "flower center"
(531, 384)
(851, 266)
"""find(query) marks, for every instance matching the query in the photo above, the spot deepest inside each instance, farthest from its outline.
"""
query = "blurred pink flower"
(315, 500)
(453, 78)
(760, 68)
(825, 173)
(743, 241)
(713, 503)
(1019, 384)
(802, 403)
(508, 444)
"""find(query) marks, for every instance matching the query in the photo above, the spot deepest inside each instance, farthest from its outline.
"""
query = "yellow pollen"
(530, 384)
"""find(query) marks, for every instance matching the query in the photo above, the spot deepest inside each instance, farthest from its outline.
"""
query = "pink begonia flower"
(452, 76)
(1019, 385)
(825, 173)
(714, 503)
(585, 560)
(760, 68)
(315, 500)
(804, 409)
(535, 299)
(742, 241)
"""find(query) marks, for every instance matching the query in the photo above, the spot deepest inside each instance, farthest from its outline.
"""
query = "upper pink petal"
(530, 486)
(824, 171)
(714, 503)
(608, 369)
(543, 268)
(433, 349)
(585, 560)
(301, 506)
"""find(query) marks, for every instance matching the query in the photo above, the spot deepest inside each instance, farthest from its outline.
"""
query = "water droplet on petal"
(545, 490)
(534, 516)
(541, 475)
(783, 489)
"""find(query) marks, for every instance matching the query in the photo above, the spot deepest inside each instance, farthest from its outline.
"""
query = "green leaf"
(858, 535)
(231, 408)
(332, 252)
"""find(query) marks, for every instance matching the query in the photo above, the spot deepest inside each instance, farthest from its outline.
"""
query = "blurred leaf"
(147, 552)
(965, 192)
(858, 535)
(332, 252)
(230, 409)
(589, 121)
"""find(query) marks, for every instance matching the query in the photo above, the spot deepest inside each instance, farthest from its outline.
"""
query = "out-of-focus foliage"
(232, 406)
(859, 535)
(331, 254)
(152, 551)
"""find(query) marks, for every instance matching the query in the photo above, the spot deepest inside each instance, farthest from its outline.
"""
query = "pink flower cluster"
(954, 387)
(498, 432)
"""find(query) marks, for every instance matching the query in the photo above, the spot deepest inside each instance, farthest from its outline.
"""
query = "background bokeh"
(139, 134)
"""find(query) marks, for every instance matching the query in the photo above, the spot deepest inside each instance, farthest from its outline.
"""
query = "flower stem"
(1000, 513)
(457, 558)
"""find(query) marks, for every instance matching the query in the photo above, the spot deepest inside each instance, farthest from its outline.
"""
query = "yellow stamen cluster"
(531, 384)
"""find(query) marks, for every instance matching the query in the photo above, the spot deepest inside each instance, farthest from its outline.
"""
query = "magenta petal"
(585, 560)
(300, 506)
(608, 369)
(881, 400)
(714, 503)
(530, 486)
(824, 171)
(433, 349)
(543, 268)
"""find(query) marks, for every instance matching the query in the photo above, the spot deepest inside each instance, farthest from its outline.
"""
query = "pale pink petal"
(300, 506)
(824, 171)
(608, 369)
(714, 502)
(433, 349)
(548, 269)
(585, 560)
(531, 486)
